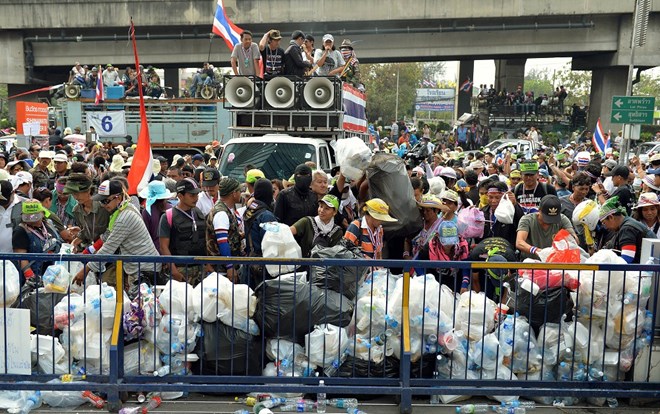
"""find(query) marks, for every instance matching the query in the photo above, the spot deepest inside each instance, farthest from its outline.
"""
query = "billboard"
(426, 94)
(435, 107)
(30, 113)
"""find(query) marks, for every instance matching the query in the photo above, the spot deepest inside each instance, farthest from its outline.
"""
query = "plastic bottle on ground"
(343, 403)
(435, 398)
(249, 401)
(32, 402)
(299, 407)
(510, 410)
(529, 405)
(154, 402)
(355, 411)
(162, 371)
(473, 408)
(141, 397)
(72, 377)
(321, 399)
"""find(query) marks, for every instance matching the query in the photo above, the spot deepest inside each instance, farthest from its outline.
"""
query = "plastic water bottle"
(141, 397)
(72, 377)
(528, 405)
(299, 407)
(355, 411)
(249, 401)
(647, 328)
(473, 408)
(154, 402)
(510, 410)
(32, 402)
(345, 403)
(162, 371)
(270, 403)
(435, 398)
(321, 399)
(271, 226)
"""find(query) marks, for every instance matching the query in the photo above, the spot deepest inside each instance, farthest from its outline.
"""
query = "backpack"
(322, 240)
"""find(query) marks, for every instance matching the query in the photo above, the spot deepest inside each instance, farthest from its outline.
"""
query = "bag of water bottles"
(353, 156)
(177, 298)
(475, 315)
(141, 358)
(278, 242)
(325, 344)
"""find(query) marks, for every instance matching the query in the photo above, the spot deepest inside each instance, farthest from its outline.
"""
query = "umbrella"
(76, 138)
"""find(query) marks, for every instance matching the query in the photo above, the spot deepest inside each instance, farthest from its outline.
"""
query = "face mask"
(483, 200)
(303, 182)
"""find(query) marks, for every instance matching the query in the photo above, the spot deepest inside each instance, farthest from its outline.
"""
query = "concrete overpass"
(40, 39)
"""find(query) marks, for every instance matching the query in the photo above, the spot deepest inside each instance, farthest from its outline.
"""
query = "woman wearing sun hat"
(647, 212)
(430, 207)
(367, 233)
(156, 196)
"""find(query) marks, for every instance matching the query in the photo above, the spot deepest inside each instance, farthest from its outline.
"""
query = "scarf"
(115, 214)
(324, 228)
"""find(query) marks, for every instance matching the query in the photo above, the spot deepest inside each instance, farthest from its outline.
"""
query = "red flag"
(140, 173)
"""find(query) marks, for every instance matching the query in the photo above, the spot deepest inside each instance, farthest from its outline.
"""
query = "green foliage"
(4, 106)
(551, 139)
(539, 82)
(380, 81)
(648, 85)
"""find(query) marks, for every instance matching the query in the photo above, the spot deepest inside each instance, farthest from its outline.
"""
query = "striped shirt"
(131, 237)
(359, 234)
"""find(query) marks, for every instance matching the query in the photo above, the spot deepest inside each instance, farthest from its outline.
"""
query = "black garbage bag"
(389, 181)
(358, 368)
(342, 279)
(228, 351)
(41, 306)
(547, 306)
(289, 308)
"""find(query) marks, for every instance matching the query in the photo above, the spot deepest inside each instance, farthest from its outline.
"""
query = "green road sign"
(632, 109)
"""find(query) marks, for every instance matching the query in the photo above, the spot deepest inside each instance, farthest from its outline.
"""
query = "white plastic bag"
(141, 358)
(177, 299)
(505, 210)
(56, 279)
(326, 344)
(278, 242)
(353, 157)
(10, 285)
(49, 354)
(475, 315)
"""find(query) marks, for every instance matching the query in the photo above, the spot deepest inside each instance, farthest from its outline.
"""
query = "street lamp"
(396, 105)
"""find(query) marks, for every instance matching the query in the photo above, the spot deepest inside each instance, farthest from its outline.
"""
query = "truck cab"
(277, 155)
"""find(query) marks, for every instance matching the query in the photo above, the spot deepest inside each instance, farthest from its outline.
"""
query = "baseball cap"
(610, 164)
(20, 178)
(620, 170)
(448, 233)
(515, 174)
(198, 157)
(529, 167)
(60, 158)
(210, 177)
(47, 154)
(550, 209)
(253, 175)
(106, 189)
(31, 211)
(187, 186)
(330, 201)
(328, 37)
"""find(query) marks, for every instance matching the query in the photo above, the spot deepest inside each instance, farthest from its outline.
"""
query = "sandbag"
(290, 308)
(41, 305)
(547, 306)
(228, 351)
(342, 279)
(389, 181)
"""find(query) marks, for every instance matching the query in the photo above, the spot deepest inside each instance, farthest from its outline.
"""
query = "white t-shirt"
(78, 71)
(110, 77)
(205, 203)
(332, 61)
(6, 228)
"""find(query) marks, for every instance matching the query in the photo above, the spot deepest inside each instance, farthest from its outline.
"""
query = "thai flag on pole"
(467, 85)
(598, 139)
(99, 89)
(224, 27)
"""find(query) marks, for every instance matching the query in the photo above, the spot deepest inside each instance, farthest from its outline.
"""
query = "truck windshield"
(276, 160)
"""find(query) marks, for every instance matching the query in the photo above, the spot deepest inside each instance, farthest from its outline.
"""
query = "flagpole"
(208, 59)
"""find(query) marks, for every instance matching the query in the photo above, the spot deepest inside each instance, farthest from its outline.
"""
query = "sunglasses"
(109, 200)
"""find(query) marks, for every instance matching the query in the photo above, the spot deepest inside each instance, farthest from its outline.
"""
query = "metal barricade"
(551, 332)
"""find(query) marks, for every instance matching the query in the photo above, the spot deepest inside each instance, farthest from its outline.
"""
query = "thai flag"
(99, 89)
(598, 140)
(355, 115)
(224, 27)
(467, 85)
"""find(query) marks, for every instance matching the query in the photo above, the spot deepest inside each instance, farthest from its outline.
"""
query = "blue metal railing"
(413, 370)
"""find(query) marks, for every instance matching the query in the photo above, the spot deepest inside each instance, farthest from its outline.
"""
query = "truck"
(276, 134)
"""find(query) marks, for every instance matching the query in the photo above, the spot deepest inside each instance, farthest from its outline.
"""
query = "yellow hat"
(515, 174)
(430, 201)
(253, 175)
(379, 210)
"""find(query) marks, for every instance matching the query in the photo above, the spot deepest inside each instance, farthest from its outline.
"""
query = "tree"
(648, 85)
(380, 82)
(577, 83)
(433, 71)
(539, 82)
(4, 107)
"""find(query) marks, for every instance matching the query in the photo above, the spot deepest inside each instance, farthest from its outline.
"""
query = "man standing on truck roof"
(294, 64)
(272, 54)
(298, 201)
(245, 56)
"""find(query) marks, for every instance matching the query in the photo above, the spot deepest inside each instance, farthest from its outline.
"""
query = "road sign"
(632, 109)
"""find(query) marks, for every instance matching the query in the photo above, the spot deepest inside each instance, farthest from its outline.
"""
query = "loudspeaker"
(242, 92)
(320, 93)
(281, 93)
(72, 91)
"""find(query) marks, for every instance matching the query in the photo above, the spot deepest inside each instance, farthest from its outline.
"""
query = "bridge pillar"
(605, 83)
(509, 73)
(12, 64)
(465, 71)
(172, 81)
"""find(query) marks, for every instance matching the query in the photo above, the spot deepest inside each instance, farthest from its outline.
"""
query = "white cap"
(328, 37)
(46, 154)
(60, 158)
(448, 172)
(21, 178)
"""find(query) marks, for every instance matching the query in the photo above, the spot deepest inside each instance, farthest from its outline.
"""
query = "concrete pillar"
(509, 73)
(465, 71)
(172, 81)
(12, 58)
(605, 83)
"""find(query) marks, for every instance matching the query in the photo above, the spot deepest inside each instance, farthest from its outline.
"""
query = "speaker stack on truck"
(284, 101)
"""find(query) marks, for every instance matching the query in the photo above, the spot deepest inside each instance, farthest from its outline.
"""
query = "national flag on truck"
(141, 168)
(355, 115)
(225, 28)
(467, 85)
(99, 88)
(600, 142)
